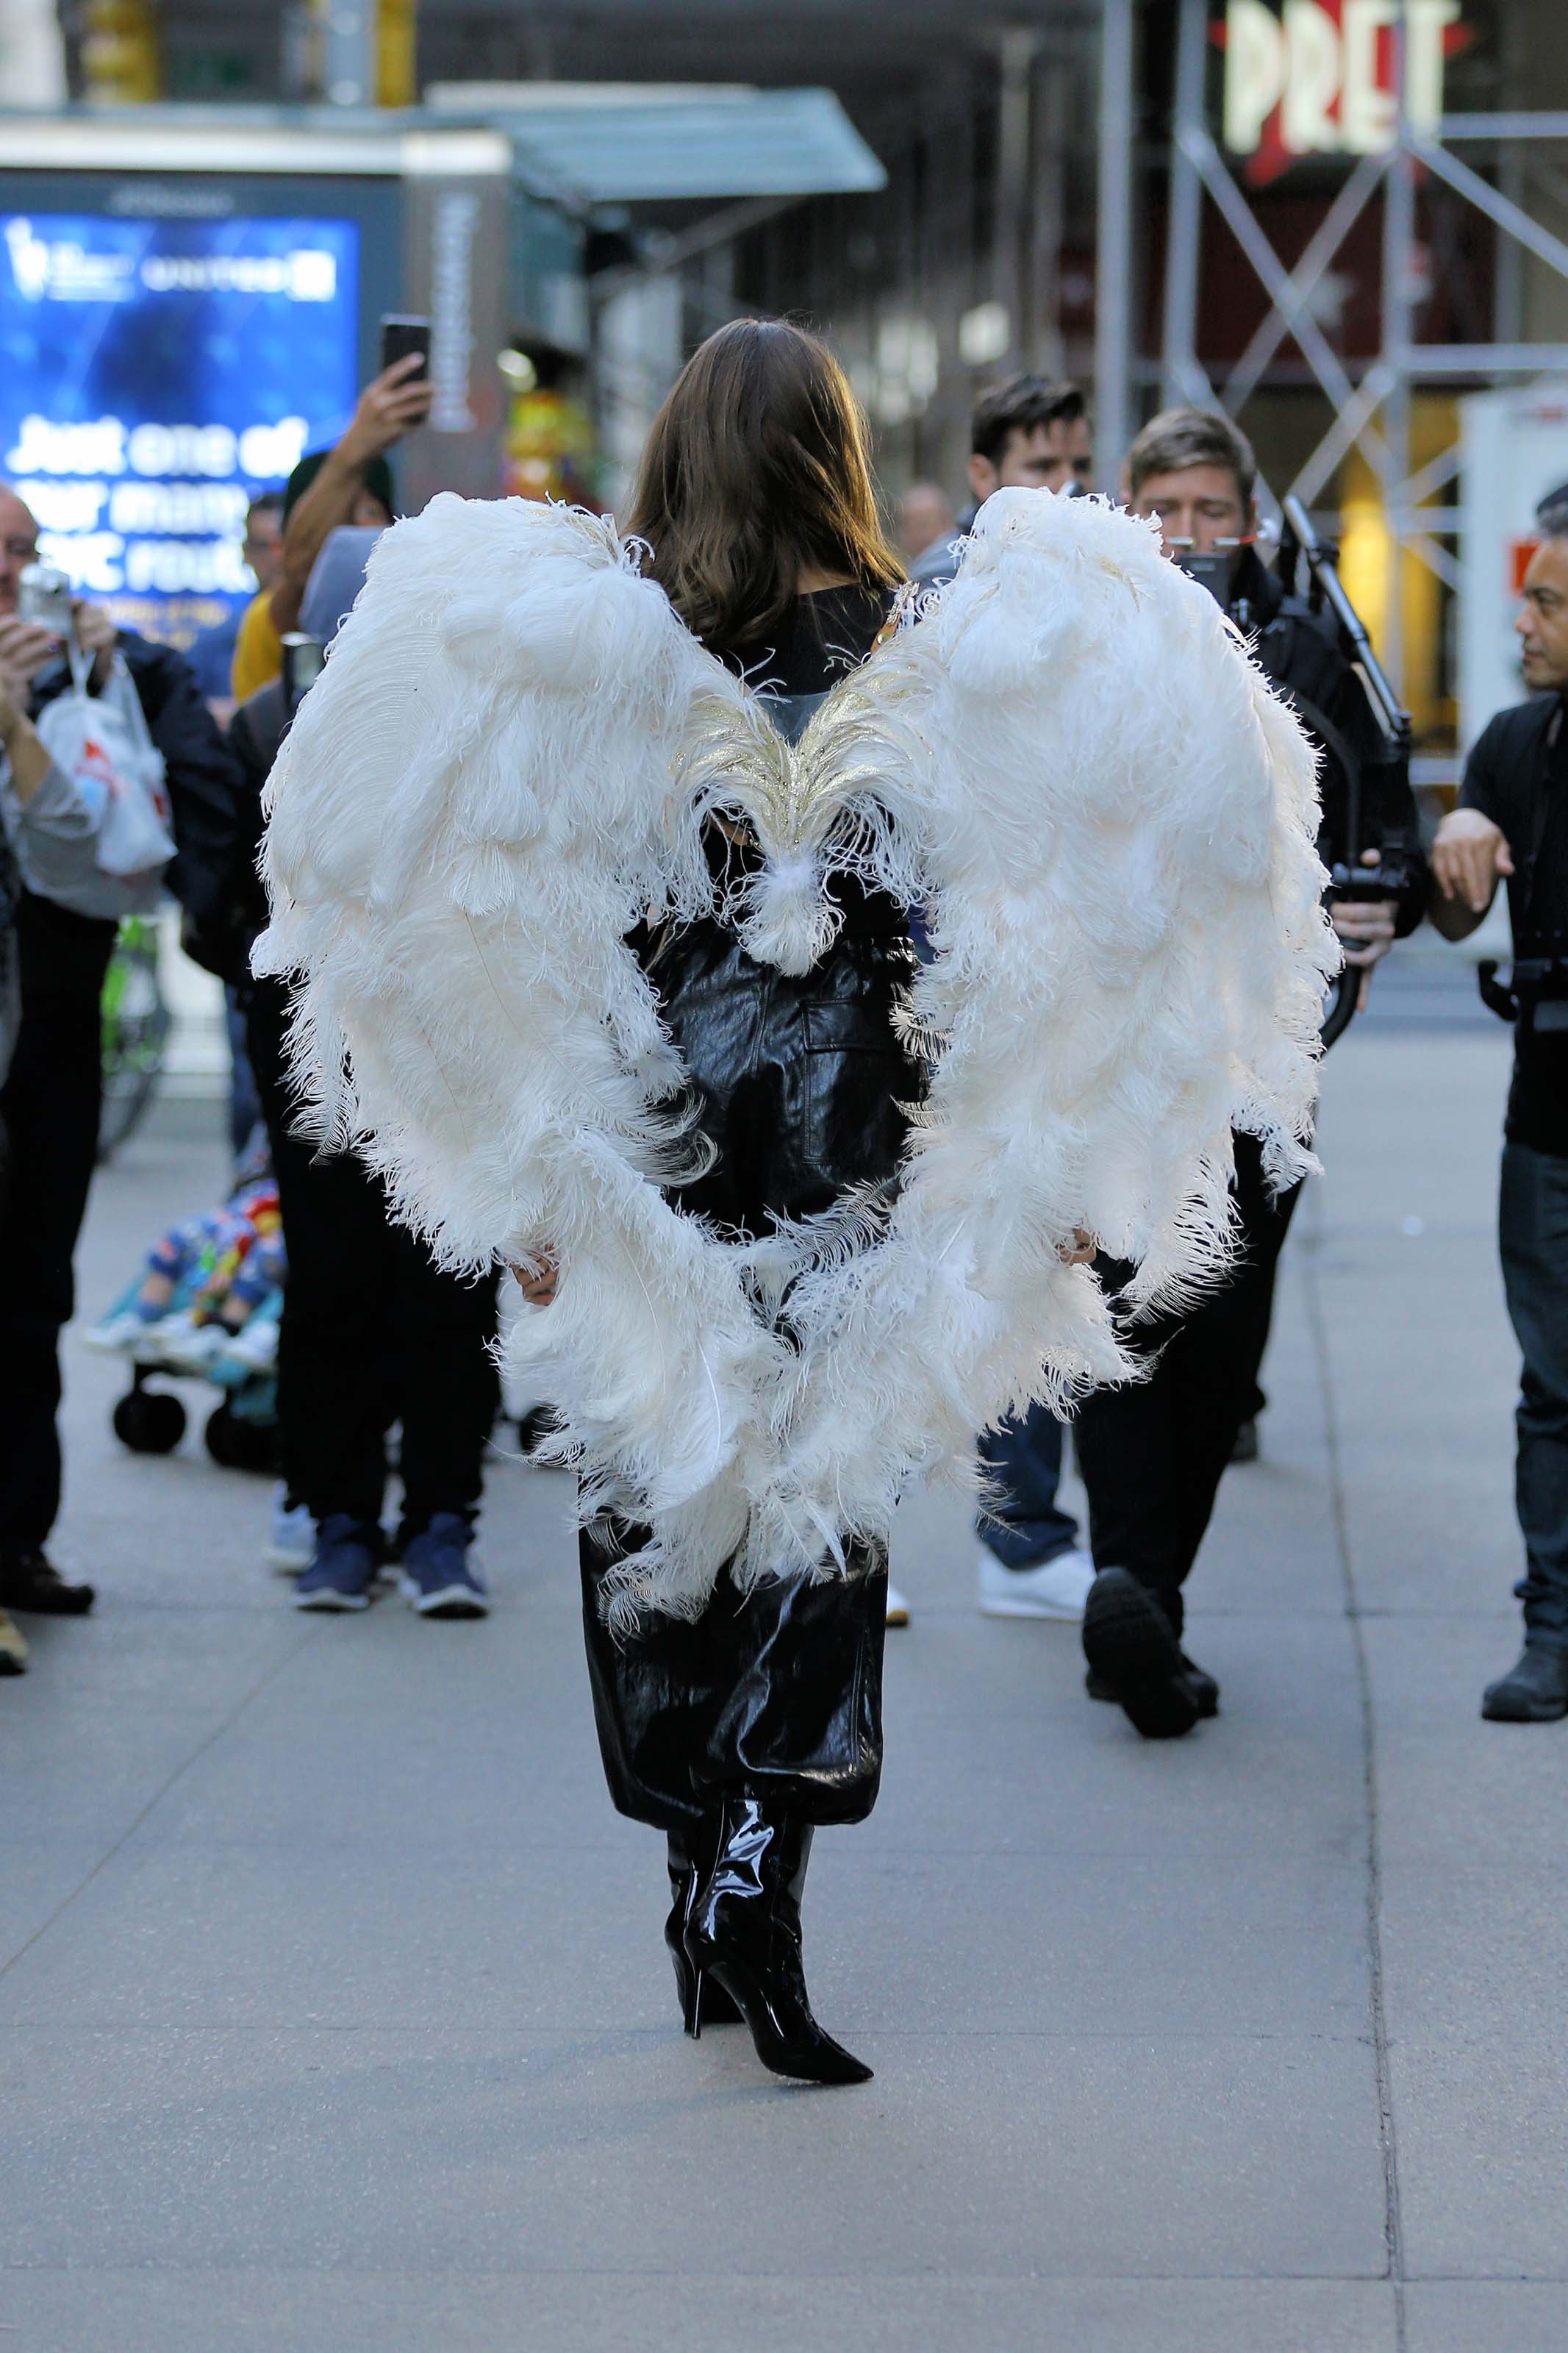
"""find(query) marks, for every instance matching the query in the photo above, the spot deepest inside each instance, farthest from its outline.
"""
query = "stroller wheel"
(240, 1445)
(149, 1421)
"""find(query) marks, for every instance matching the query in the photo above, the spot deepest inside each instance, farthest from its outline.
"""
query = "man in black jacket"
(1513, 821)
(1153, 1454)
(49, 1104)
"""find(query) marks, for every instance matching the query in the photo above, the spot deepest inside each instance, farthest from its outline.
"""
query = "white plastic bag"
(101, 742)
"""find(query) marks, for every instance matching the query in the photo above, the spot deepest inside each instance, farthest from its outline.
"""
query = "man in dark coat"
(50, 1101)
(1152, 1453)
(1511, 824)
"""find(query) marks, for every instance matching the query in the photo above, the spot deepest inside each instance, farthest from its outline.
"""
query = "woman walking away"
(595, 856)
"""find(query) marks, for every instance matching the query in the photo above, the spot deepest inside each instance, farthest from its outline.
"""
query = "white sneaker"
(252, 1349)
(184, 1345)
(119, 1335)
(898, 1608)
(1059, 1587)
(292, 1543)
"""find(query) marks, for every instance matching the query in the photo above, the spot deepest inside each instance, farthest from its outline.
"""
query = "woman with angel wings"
(594, 856)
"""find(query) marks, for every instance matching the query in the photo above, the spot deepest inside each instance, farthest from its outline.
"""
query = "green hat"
(377, 482)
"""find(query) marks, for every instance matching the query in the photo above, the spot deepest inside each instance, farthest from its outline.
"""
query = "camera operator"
(1512, 821)
(1153, 1454)
(65, 931)
(373, 1329)
(350, 483)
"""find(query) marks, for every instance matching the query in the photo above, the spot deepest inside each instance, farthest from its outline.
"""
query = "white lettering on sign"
(451, 311)
(1304, 81)
(46, 449)
(173, 497)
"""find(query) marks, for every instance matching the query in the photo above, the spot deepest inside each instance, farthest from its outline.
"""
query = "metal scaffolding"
(1370, 400)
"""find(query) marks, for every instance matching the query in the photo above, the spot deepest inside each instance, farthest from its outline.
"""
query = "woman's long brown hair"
(757, 466)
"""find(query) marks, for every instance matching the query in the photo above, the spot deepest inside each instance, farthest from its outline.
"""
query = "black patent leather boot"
(743, 1935)
(703, 2002)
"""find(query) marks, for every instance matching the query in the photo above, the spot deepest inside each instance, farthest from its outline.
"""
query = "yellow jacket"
(257, 649)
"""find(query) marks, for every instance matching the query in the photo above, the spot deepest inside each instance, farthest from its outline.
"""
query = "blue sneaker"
(348, 1554)
(440, 1580)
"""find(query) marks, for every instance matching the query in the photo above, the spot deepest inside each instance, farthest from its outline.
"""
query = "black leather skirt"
(799, 1084)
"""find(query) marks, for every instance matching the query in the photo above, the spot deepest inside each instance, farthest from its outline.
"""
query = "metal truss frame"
(1372, 407)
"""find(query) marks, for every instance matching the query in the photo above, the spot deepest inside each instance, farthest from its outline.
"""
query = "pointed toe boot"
(744, 1936)
(691, 1853)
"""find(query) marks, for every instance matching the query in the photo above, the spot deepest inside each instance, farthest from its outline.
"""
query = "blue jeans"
(1023, 1461)
(1532, 1237)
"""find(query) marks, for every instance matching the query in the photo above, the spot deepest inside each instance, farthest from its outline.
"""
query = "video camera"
(1533, 993)
(1391, 878)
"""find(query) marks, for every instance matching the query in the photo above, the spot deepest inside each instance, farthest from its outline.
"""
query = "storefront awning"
(632, 144)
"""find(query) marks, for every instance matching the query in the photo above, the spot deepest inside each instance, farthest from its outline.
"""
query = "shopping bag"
(101, 742)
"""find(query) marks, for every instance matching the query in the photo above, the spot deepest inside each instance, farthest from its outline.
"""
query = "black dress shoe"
(1203, 1688)
(1534, 1692)
(1244, 1446)
(1129, 1645)
(28, 1582)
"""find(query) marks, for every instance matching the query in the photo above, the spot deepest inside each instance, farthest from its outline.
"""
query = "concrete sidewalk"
(333, 2006)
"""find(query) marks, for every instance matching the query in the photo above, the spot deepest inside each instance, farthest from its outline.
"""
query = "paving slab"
(537, 2312)
(1511, 2316)
(1207, 2155)
(1453, 1789)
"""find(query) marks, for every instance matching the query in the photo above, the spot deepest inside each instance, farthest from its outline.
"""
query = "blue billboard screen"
(154, 375)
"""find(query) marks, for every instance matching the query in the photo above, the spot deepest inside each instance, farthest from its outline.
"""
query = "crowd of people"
(376, 1336)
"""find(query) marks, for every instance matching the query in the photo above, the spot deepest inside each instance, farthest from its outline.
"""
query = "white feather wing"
(1119, 820)
(474, 806)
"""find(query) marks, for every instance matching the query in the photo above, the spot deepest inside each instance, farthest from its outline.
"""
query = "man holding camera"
(49, 1104)
(1153, 1454)
(1512, 821)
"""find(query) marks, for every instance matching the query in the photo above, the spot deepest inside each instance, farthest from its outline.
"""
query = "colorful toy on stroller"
(205, 1306)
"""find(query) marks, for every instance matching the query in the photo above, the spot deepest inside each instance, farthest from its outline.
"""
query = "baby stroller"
(205, 1306)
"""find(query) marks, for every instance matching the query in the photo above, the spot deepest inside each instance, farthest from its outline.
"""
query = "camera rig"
(1530, 992)
(1349, 878)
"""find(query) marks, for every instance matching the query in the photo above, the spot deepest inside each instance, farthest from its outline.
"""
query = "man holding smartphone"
(350, 483)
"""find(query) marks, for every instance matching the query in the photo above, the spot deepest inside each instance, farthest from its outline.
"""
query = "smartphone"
(43, 595)
(399, 336)
(302, 659)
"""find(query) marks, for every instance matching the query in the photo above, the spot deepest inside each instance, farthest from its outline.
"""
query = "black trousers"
(1151, 1455)
(777, 1692)
(1533, 1233)
(797, 1083)
(372, 1331)
(49, 1118)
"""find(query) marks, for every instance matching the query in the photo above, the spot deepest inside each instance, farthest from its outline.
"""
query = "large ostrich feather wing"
(1117, 820)
(476, 804)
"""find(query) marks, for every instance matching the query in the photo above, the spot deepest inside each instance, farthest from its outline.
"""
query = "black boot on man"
(1534, 1691)
(1135, 1655)
(29, 1581)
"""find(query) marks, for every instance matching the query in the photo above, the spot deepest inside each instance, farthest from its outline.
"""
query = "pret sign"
(1319, 77)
